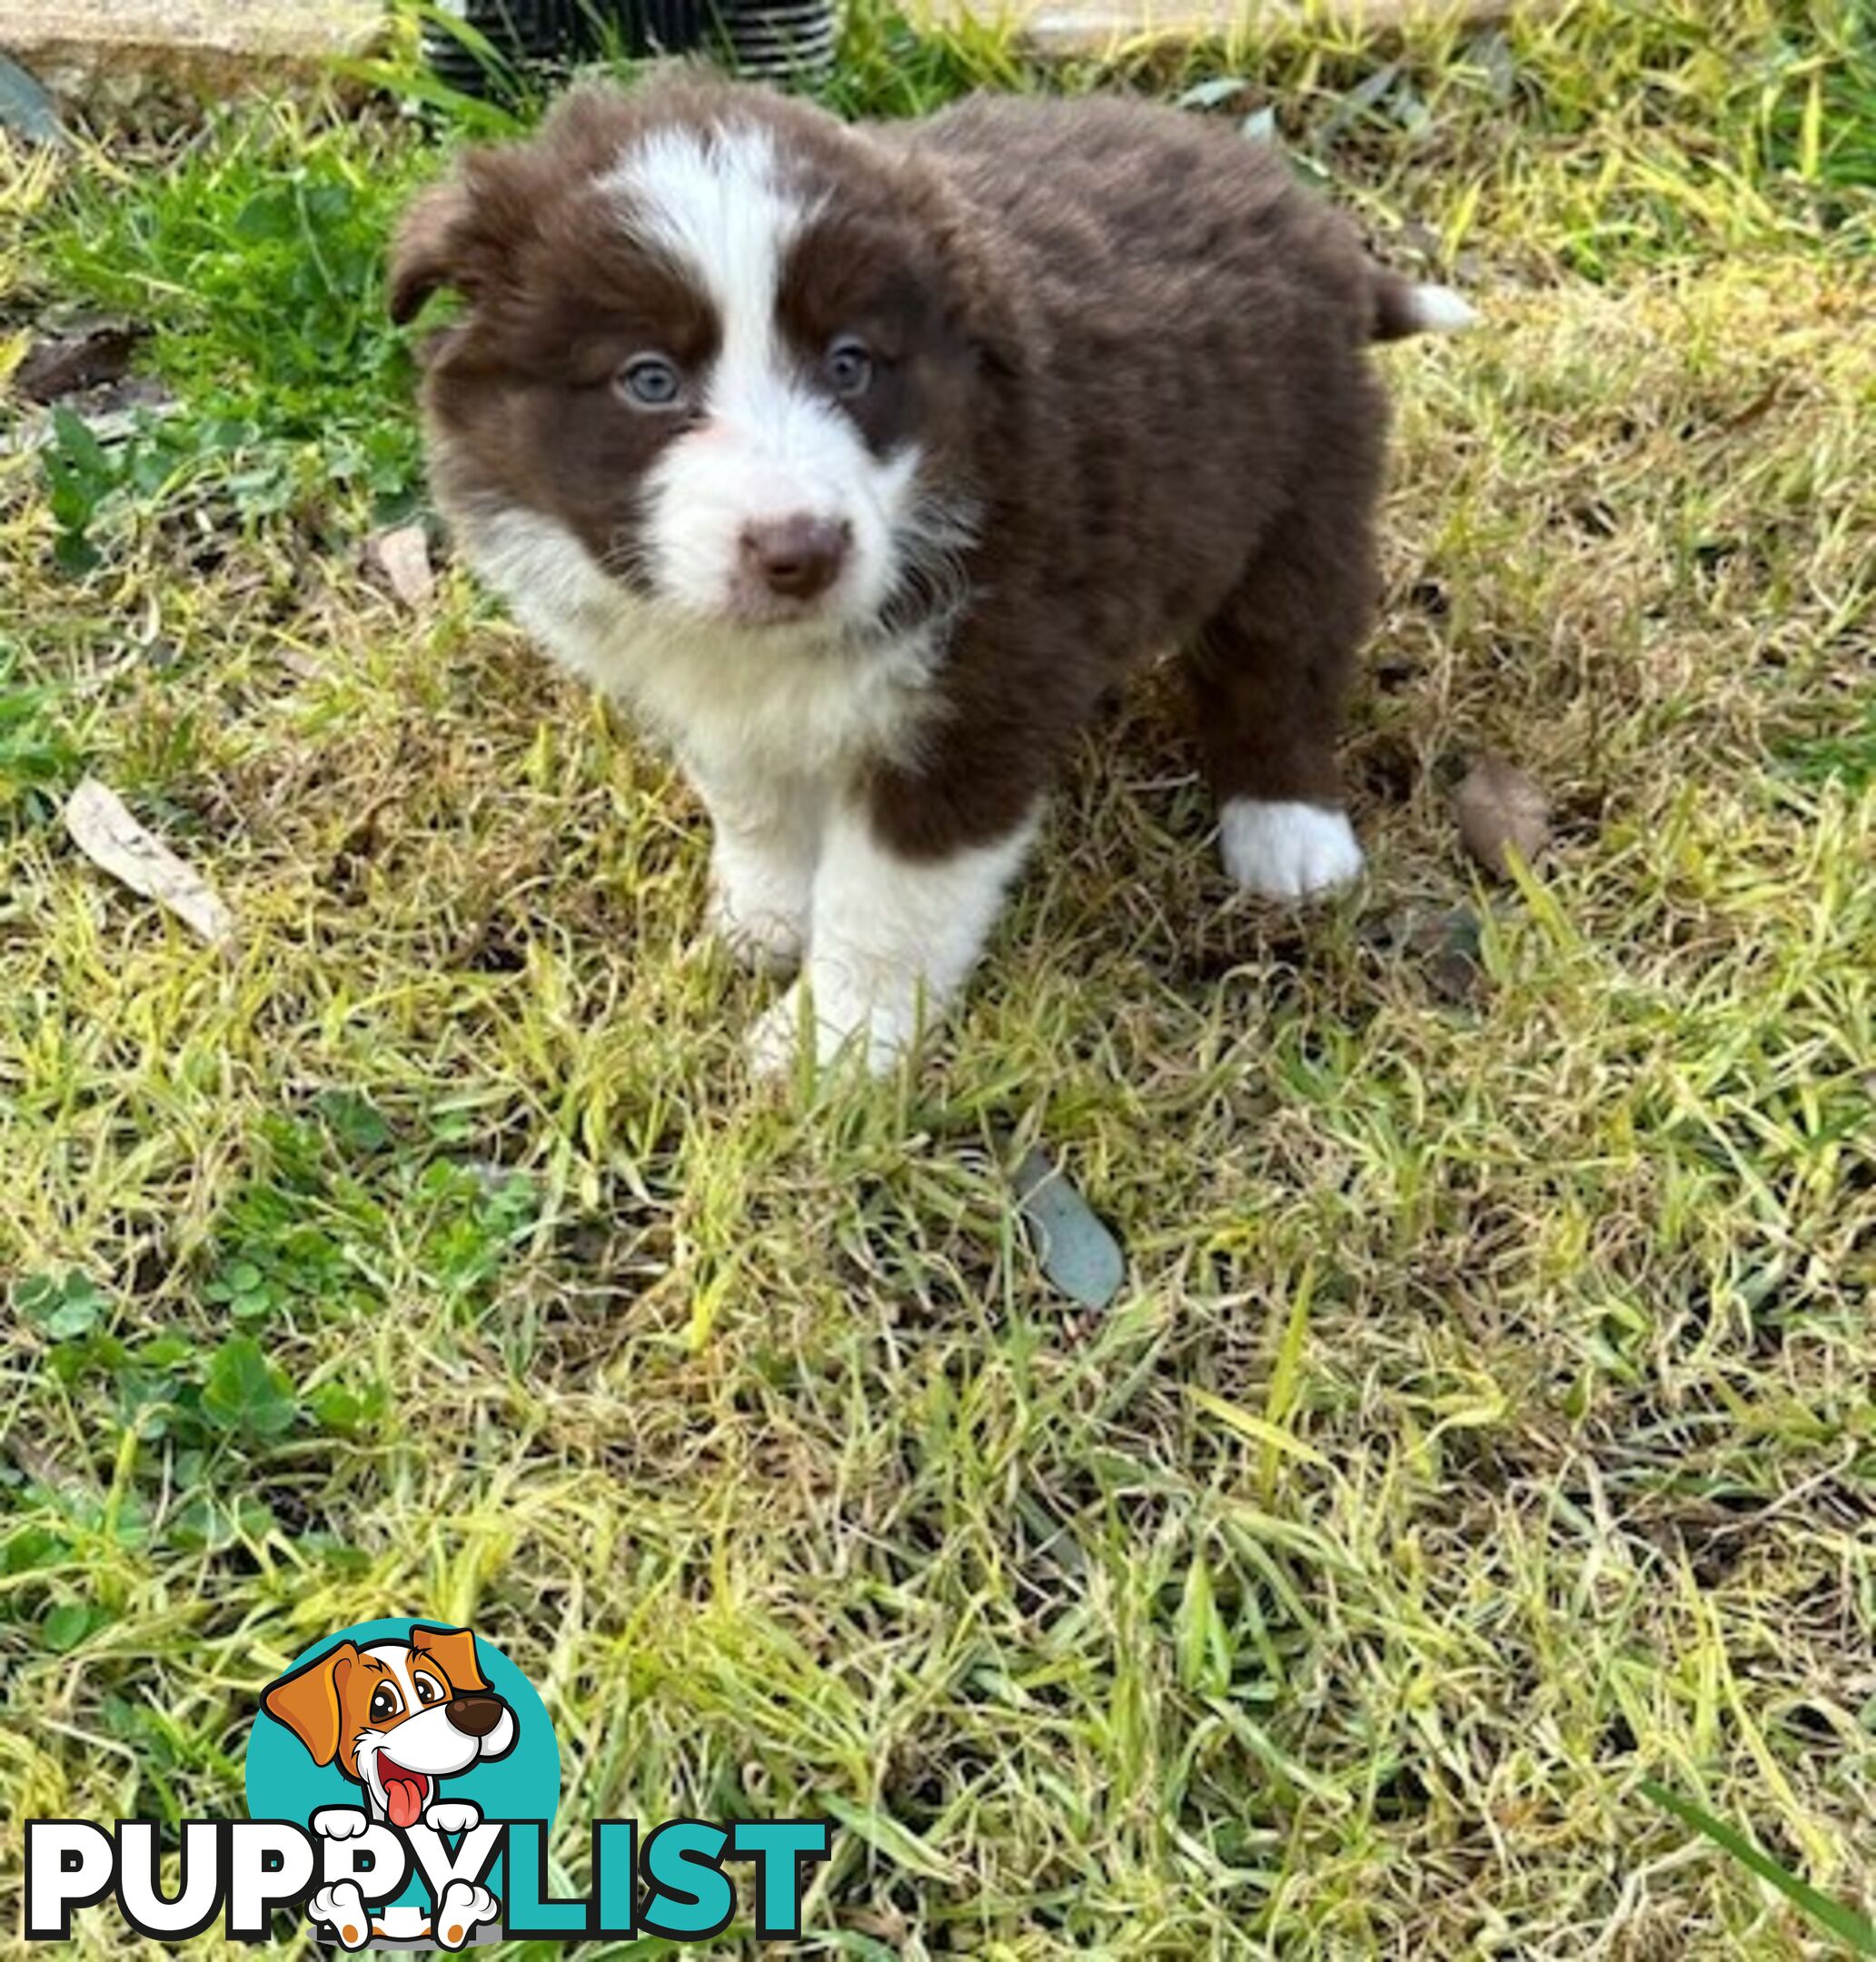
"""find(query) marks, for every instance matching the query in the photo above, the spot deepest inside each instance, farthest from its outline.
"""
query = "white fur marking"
(890, 938)
(731, 699)
(1440, 309)
(1287, 851)
(711, 202)
(771, 448)
(766, 838)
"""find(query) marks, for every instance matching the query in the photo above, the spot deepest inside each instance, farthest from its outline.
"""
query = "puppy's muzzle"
(474, 1716)
(797, 557)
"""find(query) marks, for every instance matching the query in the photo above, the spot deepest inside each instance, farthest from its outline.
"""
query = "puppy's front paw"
(342, 1908)
(463, 1908)
(761, 894)
(775, 1042)
(877, 1029)
(339, 1822)
(1287, 851)
(452, 1816)
(763, 934)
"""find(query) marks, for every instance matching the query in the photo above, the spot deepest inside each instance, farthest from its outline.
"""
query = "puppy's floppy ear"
(983, 293)
(995, 326)
(308, 1702)
(431, 250)
(454, 1648)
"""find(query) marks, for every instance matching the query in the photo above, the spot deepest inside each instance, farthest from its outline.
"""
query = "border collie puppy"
(862, 461)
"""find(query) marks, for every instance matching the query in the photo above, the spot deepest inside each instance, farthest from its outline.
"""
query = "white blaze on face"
(771, 447)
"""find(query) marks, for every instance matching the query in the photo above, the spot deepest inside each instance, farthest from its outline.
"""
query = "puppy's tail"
(1403, 308)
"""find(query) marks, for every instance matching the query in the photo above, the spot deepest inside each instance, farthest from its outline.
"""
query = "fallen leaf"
(402, 556)
(1491, 55)
(301, 665)
(1444, 947)
(1075, 1250)
(27, 108)
(1500, 810)
(88, 357)
(1364, 98)
(105, 831)
(1212, 93)
(1761, 405)
(136, 399)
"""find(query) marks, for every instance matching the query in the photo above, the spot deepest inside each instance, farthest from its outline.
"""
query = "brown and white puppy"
(863, 460)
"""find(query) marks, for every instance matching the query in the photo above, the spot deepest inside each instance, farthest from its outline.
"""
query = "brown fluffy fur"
(1128, 331)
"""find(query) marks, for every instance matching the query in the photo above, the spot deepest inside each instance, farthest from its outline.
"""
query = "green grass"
(1486, 1430)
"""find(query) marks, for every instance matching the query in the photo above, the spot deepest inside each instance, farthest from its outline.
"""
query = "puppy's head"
(397, 1717)
(726, 344)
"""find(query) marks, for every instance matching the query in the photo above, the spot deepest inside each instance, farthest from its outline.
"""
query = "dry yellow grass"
(1487, 1424)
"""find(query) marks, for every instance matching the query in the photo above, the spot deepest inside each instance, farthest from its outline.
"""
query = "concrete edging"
(92, 51)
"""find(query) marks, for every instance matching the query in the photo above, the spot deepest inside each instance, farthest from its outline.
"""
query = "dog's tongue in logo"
(404, 1792)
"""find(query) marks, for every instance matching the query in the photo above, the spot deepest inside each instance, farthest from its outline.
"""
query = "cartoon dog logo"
(397, 1718)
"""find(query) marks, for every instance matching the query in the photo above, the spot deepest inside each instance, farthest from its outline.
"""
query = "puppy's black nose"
(474, 1716)
(797, 557)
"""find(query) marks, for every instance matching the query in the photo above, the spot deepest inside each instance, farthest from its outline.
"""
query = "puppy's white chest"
(781, 699)
(794, 706)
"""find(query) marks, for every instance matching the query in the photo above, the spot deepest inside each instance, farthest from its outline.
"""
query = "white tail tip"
(1440, 309)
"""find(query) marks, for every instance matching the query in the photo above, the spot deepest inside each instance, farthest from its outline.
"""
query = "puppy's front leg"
(766, 835)
(890, 933)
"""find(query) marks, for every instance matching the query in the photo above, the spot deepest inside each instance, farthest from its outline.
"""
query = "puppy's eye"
(385, 1704)
(427, 1691)
(848, 366)
(651, 381)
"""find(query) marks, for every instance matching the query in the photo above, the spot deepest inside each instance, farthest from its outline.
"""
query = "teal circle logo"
(406, 1724)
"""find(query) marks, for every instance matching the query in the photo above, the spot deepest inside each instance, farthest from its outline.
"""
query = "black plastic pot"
(783, 40)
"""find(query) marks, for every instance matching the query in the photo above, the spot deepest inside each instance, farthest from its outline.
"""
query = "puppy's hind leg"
(1268, 673)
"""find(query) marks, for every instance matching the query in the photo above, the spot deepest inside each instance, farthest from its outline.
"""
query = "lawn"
(1486, 1424)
